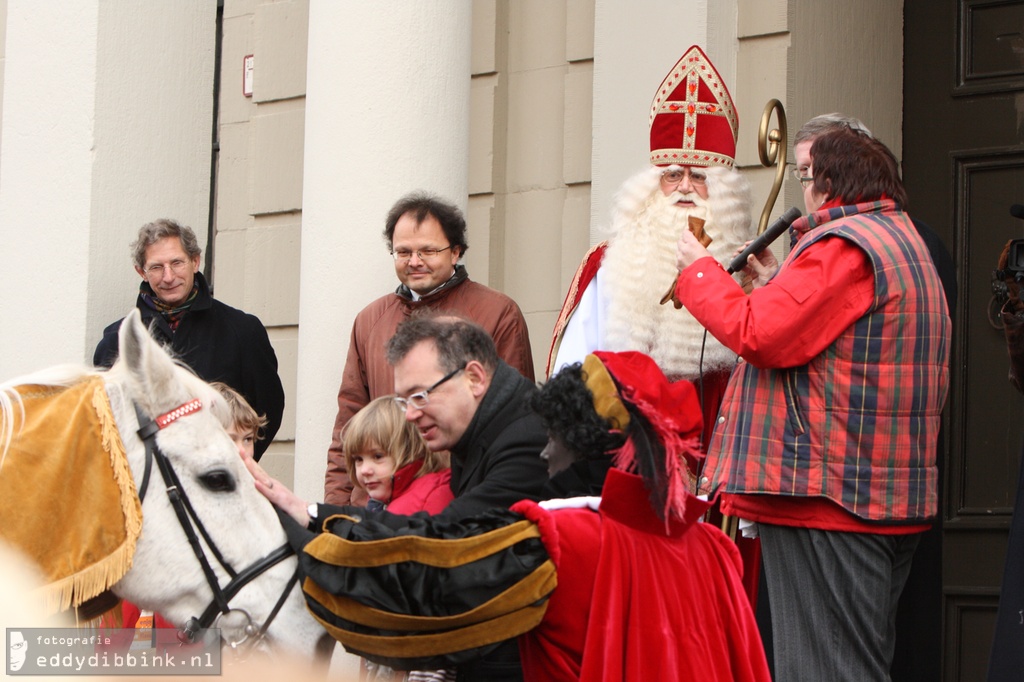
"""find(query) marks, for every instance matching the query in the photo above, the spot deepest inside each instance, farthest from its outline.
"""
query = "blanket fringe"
(75, 589)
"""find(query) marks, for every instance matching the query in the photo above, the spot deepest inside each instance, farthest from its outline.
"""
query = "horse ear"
(150, 367)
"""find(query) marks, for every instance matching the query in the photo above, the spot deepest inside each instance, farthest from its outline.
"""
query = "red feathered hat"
(693, 119)
(671, 408)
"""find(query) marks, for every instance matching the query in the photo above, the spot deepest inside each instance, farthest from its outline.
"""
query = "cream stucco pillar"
(387, 112)
(107, 115)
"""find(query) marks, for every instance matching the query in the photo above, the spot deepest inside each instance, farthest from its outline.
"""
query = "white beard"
(639, 266)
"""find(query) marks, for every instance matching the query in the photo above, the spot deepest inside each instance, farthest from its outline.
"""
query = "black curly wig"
(566, 407)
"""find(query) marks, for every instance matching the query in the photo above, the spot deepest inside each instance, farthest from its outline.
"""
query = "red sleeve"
(800, 312)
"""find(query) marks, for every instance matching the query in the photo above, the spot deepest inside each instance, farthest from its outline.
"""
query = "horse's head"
(166, 575)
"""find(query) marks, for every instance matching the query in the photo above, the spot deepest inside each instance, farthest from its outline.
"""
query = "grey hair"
(151, 233)
(819, 125)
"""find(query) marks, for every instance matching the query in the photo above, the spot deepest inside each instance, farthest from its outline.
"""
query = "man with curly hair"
(216, 341)
(427, 237)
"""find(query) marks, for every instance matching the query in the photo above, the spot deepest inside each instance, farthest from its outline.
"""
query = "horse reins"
(190, 521)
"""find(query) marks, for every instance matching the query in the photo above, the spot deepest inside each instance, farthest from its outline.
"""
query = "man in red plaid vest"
(827, 433)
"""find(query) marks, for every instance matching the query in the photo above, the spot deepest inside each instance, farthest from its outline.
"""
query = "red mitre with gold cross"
(693, 119)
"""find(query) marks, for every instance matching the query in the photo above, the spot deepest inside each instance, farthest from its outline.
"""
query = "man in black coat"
(466, 400)
(218, 342)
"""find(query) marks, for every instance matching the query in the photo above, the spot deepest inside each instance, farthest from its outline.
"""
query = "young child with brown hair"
(246, 427)
(388, 459)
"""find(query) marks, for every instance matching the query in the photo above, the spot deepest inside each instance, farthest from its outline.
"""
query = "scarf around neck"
(171, 314)
(457, 277)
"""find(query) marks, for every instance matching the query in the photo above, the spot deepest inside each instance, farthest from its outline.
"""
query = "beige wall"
(106, 125)
(3, 61)
(557, 118)
(558, 102)
(530, 150)
(258, 215)
(815, 62)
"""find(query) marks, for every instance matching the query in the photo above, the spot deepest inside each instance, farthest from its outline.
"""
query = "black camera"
(1012, 273)
(1015, 256)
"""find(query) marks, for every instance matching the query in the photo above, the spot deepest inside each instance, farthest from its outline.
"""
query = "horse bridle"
(190, 522)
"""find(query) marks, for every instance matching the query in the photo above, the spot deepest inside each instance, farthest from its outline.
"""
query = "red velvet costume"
(710, 389)
(635, 602)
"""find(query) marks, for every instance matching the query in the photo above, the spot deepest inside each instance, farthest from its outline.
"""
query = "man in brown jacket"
(427, 237)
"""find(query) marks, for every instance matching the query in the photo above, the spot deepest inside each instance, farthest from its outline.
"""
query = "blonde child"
(390, 461)
(246, 426)
(387, 457)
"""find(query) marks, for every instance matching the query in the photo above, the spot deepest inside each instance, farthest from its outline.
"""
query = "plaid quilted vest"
(859, 423)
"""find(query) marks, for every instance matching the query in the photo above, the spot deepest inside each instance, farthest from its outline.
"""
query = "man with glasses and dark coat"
(427, 237)
(463, 398)
(218, 342)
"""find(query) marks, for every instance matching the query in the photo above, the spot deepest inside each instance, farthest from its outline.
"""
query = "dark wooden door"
(963, 161)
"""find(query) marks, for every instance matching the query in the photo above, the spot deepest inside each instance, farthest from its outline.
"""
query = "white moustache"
(668, 208)
(691, 197)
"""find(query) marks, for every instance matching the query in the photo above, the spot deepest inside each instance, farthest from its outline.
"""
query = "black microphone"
(770, 235)
(1017, 211)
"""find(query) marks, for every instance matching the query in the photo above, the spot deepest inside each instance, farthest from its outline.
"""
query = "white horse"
(166, 575)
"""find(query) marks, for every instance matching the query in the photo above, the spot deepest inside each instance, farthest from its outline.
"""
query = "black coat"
(495, 464)
(497, 461)
(219, 343)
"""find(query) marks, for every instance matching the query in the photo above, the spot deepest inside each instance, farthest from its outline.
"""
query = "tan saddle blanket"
(67, 497)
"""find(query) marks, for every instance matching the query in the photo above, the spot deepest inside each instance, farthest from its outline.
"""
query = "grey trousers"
(834, 598)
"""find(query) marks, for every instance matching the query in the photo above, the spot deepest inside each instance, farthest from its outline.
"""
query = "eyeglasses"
(672, 178)
(177, 266)
(420, 399)
(403, 255)
(804, 180)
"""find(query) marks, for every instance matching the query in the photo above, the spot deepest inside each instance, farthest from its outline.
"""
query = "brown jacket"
(367, 374)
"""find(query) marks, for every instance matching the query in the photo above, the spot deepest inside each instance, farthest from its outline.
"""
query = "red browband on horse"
(190, 523)
(193, 405)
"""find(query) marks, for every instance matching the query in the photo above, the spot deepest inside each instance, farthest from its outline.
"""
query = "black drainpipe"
(215, 145)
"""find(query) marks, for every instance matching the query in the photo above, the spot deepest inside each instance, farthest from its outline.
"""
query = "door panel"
(989, 407)
(963, 164)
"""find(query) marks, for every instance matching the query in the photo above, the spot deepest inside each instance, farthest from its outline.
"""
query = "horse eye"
(218, 481)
